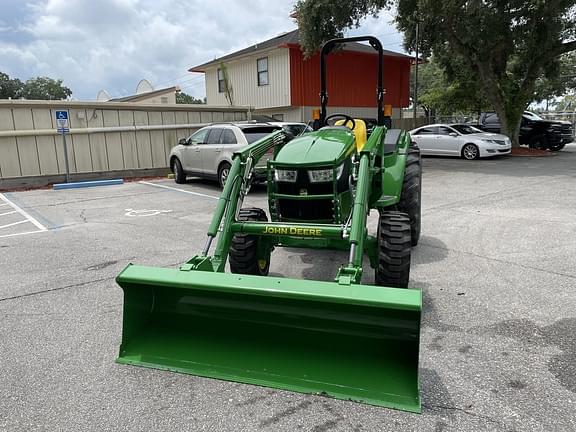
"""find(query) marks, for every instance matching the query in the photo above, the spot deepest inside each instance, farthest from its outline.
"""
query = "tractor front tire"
(394, 247)
(246, 256)
(410, 198)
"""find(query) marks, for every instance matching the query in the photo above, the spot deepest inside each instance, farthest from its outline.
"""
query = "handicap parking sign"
(62, 121)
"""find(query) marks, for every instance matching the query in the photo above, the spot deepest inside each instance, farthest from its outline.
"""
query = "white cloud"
(112, 44)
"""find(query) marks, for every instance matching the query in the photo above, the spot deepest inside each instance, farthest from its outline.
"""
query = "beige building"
(243, 73)
(274, 77)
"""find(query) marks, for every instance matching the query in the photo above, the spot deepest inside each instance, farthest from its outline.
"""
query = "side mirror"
(182, 141)
(453, 134)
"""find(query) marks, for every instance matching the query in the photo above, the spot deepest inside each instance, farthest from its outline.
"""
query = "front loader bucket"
(353, 342)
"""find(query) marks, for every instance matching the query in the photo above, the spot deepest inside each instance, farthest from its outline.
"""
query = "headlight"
(285, 175)
(324, 175)
(490, 141)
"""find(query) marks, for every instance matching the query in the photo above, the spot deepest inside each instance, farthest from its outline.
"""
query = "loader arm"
(230, 201)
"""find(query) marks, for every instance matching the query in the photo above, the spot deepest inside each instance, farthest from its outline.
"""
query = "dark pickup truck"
(535, 131)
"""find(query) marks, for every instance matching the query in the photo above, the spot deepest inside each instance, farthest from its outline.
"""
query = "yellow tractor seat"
(359, 131)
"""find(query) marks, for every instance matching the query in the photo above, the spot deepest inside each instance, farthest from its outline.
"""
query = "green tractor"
(341, 338)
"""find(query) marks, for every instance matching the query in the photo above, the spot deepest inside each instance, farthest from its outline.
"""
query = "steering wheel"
(346, 117)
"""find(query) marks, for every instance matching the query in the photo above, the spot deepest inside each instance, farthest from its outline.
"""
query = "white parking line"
(179, 190)
(23, 213)
(7, 213)
(13, 223)
(21, 233)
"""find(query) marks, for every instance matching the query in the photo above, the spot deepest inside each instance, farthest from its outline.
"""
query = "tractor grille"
(315, 208)
(309, 210)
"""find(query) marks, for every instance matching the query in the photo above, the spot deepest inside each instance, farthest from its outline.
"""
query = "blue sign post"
(63, 128)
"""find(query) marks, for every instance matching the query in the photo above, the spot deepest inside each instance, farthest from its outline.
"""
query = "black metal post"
(416, 77)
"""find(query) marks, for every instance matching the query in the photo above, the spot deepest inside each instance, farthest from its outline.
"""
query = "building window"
(221, 85)
(262, 67)
(164, 100)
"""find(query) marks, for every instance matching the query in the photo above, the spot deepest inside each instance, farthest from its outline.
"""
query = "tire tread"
(244, 247)
(410, 197)
(394, 249)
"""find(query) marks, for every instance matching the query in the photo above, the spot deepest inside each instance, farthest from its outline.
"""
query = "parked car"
(535, 131)
(293, 128)
(459, 139)
(208, 152)
(567, 130)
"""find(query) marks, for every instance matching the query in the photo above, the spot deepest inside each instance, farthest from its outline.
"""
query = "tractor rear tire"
(394, 247)
(410, 198)
(244, 249)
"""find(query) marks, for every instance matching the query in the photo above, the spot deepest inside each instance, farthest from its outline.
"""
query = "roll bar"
(327, 48)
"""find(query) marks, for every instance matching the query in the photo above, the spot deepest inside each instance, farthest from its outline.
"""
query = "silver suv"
(208, 152)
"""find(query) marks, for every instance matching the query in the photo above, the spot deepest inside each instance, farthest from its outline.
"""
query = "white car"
(460, 140)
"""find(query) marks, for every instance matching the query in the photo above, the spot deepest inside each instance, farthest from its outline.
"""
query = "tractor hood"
(328, 146)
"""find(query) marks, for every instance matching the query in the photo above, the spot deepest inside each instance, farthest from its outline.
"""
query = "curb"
(93, 183)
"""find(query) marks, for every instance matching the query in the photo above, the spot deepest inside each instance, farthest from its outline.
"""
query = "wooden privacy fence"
(104, 136)
(408, 123)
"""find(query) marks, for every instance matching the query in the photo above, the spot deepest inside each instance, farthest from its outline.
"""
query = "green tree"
(44, 88)
(567, 103)
(184, 98)
(9, 88)
(228, 90)
(561, 81)
(446, 94)
(504, 45)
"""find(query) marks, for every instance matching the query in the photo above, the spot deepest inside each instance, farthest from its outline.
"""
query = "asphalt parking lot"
(496, 263)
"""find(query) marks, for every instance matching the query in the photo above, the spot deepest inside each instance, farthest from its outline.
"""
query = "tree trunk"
(508, 108)
(510, 121)
(426, 113)
(510, 118)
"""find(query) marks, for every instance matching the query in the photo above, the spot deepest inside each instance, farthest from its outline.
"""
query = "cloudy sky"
(112, 44)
